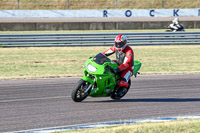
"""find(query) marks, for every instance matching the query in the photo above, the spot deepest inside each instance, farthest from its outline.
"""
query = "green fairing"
(137, 66)
(105, 81)
(88, 79)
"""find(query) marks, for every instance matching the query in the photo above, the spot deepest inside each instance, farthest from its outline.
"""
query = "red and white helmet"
(120, 42)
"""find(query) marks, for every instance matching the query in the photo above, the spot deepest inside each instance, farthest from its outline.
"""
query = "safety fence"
(98, 39)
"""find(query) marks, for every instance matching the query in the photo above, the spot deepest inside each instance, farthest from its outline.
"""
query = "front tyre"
(78, 94)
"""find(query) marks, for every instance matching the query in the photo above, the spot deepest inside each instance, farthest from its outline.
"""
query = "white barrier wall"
(98, 13)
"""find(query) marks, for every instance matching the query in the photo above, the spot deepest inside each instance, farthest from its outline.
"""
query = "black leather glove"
(115, 71)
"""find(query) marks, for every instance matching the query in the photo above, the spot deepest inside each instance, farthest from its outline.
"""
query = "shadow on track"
(150, 100)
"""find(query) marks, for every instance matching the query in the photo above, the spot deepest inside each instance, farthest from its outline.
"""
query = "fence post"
(163, 3)
(116, 4)
(18, 4)
(67, 4)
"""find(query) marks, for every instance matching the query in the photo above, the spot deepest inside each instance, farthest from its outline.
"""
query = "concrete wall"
(34, 26)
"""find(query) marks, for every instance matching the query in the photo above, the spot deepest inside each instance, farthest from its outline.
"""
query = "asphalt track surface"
(42, 103)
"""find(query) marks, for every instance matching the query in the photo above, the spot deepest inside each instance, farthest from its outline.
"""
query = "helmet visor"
(119, 44)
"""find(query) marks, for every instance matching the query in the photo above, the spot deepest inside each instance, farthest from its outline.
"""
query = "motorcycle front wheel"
(78, 94)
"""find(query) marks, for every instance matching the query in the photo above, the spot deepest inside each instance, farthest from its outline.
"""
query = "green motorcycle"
(100, 81)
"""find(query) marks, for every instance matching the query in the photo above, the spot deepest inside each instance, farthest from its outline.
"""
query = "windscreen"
(101, 59)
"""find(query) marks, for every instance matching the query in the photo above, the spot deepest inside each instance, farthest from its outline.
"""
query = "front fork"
(89, 80)
(88, 88)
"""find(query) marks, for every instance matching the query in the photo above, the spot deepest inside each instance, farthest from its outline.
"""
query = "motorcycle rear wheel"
(78, 94)
(120, 92)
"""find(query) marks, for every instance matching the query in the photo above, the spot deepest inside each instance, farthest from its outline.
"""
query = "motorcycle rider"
(124, 58)
(175, 26)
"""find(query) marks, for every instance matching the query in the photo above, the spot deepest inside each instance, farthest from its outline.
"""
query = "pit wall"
(36, 26)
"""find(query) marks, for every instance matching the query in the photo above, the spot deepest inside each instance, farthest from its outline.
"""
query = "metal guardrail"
(98, 39)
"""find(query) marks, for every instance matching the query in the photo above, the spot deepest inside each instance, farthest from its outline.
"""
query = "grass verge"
(68, 61)
(179, 126)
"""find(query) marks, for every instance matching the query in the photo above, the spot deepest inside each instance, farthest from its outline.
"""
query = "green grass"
(179, 126)
(68, 61)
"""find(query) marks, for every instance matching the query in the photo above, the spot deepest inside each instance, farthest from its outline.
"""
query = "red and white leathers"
(125, 59)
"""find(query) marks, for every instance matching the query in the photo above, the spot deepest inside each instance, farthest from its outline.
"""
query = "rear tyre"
(120, 92)
(78, 94)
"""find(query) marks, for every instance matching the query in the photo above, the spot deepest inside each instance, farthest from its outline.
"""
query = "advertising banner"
(98, 13)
